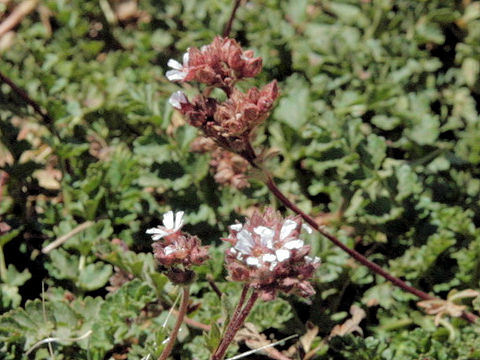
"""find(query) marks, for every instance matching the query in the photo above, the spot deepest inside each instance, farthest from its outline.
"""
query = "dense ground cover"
(375, 133)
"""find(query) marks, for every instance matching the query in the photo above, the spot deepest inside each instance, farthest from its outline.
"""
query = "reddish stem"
(241, 301)
(228, 26)
(193, 323)
(181, 314)
(272, 186)
(214, 286)
(47, 119)
(23, 94)
(235, 324)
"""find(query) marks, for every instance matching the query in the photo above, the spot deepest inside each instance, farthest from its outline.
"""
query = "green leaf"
(94, 276)
(293, 108)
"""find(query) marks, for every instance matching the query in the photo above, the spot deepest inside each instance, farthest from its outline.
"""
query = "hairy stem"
(272, 186)
(235, 324)
(181, 314)
(228, 26)
(241, 301)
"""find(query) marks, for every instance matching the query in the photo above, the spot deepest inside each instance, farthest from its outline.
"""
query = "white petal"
(269, 258)
(266, 235)
(315, 260)
(168, 220)
(177, 99)
(282, 254)
(273, 265)
(157, 233)
(307, 228)
(186, 57)
(236, 227)
(293, 244)
(287, 228)
(154, 231)
(233, 251)
(159, 236)
(174, 64)
(169, 249)
(245, 242)
(178, 220)
(252, 261)
(175, 75)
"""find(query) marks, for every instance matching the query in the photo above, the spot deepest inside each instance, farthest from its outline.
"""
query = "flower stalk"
(231, 124)
(272, 186)
(180, 316)
(236, 322)
(176, 252)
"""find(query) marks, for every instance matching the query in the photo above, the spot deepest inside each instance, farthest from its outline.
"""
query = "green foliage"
(378, 134)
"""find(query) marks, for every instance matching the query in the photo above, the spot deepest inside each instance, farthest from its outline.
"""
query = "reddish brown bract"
(219, 64)
(173, 246)
(229, 123)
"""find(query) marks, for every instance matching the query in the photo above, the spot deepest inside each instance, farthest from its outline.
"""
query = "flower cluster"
(229, 168)
(219, 64)
(229, 123)
(176, 247)
(268, 255)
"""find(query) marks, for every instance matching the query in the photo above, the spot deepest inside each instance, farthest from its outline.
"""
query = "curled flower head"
(176, 247)
(268, 254)
(220, 64)
(230, 169)
(241, 113)
(230, 122)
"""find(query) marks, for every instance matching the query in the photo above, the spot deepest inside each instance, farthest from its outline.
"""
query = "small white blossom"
(293, 244)
(282, 254)
(269, 258)
(177, 99)
(266, 236)
(315, 260)
(236, 227)
(245, 242)
(273, 265)
(307, 228)
(169, 249)
(178, 73)
(253, 261)
(287, 228)
(170, 225)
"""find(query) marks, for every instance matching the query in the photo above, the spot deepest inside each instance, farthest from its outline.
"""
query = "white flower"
(315, 260)
(171, 225)
(245, 242)
(307, 228)
(169, 249)
(236, 227)
(282, 254)
(266, 236)
(253, 261)
(293, 244)
(178, 73)
(269, 258)
(287, 228)
(177, 99)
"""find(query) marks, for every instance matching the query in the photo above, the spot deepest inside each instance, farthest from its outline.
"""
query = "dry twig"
(17, 15)
(67, 236)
